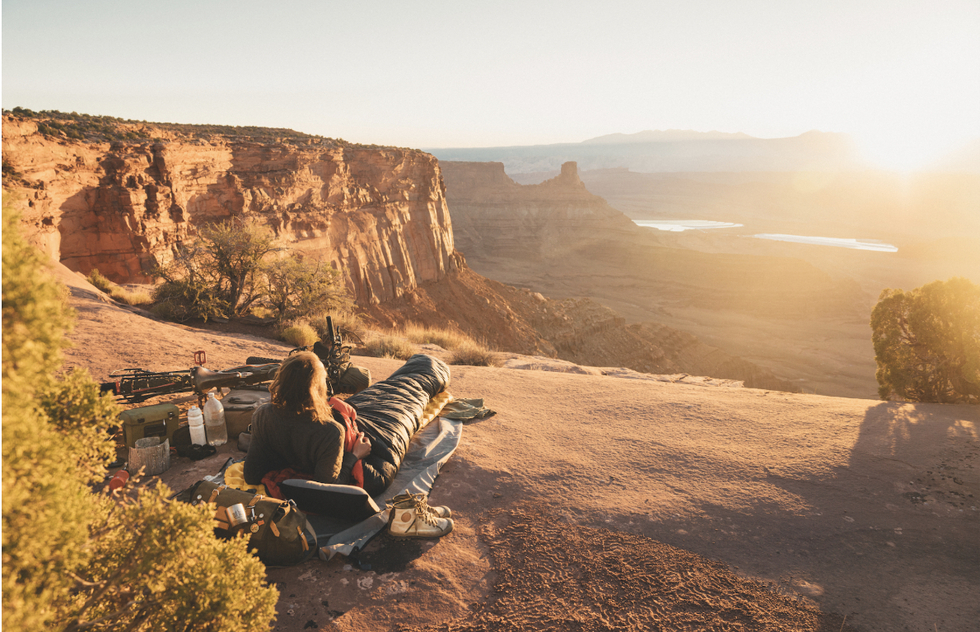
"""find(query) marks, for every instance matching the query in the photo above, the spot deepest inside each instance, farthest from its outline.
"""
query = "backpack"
(278, 532)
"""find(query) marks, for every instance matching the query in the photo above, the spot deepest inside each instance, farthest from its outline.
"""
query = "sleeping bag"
(390, 412)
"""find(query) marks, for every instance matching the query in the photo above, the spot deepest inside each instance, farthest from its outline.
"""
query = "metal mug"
(236, 514)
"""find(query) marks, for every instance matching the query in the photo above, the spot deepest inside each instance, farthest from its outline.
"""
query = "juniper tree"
(219, 274)
(927, 342)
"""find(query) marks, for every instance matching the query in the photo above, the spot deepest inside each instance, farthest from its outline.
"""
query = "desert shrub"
(299, 334)
(77, 408)
(163, 310)
(445, 338)
(97, 279)
(73, 558)
(298, 286)
(236, 249)
(385, 346)
(927, 342)
(220, 274)
(474, 354)
(162, 569)
(190, 286)
(225, 274)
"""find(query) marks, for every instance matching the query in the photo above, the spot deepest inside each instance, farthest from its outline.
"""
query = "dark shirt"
(281, 440)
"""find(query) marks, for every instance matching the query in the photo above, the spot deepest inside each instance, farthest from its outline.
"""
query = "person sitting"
(298, 428)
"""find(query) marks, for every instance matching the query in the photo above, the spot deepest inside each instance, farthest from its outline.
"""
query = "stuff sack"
(278, 532)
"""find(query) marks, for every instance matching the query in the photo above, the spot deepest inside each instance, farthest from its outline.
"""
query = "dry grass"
(445, 338)
(117, 293)
(299, 333)
(386, 346)
(97, 279)
(349, 322)
(131, 297)
(474, 354)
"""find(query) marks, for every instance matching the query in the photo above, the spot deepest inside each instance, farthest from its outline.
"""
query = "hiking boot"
(440, 512)
(411, 517)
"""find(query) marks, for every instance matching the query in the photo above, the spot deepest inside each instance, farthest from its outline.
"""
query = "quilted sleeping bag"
(389, 413)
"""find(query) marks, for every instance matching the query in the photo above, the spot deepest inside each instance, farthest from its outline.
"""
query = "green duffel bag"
(278, 532)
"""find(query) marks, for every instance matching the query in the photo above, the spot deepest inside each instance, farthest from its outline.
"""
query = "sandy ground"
(598, 502)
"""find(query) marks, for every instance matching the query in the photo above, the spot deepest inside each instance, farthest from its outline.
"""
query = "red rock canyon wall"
(379, 215)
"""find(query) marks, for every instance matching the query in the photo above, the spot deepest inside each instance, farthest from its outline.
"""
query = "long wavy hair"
(300, 386)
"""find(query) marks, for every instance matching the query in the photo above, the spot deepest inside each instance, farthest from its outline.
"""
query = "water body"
(855, 244)
(680, 225)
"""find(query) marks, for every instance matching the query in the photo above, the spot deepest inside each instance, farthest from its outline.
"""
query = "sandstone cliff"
(378, 214)
(496, 217)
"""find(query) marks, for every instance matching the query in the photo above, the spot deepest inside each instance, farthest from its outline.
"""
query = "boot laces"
(422, 510)
(421, 506)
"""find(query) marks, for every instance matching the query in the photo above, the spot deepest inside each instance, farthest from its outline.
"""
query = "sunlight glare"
(905, 151)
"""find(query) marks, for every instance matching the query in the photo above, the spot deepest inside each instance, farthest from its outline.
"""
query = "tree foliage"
(237, 249)
(927, 342)
(219, 275)
(297, 286)
(227, 272)
(78, 559)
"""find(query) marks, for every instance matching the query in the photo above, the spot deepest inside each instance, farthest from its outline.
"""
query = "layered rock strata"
(494, 217)
(378, 215)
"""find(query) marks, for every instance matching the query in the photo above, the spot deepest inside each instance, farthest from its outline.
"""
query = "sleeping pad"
(390, 412)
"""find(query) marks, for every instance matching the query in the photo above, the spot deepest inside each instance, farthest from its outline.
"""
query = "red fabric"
(350, 419)
(272, 479)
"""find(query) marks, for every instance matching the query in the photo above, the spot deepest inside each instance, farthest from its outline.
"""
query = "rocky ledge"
(378, 215)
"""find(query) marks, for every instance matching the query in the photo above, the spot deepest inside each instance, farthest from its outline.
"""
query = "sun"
(905, 151)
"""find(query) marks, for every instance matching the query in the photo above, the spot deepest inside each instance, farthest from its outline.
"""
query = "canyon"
(396, 223)
(771, 316)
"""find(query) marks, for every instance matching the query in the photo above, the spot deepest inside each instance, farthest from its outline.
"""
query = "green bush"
(236, 249)
(225, 274)
(927, 342)
(74, 558)
(190, 286)
(218, 275)
(76, 408)
(164, 310)
(297, 286)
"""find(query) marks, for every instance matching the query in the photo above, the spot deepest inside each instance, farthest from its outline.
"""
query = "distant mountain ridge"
(674, 151)
(660, 136)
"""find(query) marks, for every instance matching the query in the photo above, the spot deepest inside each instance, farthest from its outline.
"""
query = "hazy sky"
(903, 76)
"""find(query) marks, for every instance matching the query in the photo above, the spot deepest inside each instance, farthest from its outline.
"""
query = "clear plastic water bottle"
(196, 421)
(214, 421)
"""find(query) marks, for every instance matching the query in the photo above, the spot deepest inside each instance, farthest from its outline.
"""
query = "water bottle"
(196, 421)
(214, 420)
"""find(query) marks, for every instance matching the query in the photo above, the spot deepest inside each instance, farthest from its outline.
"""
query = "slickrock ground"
(604, 502)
